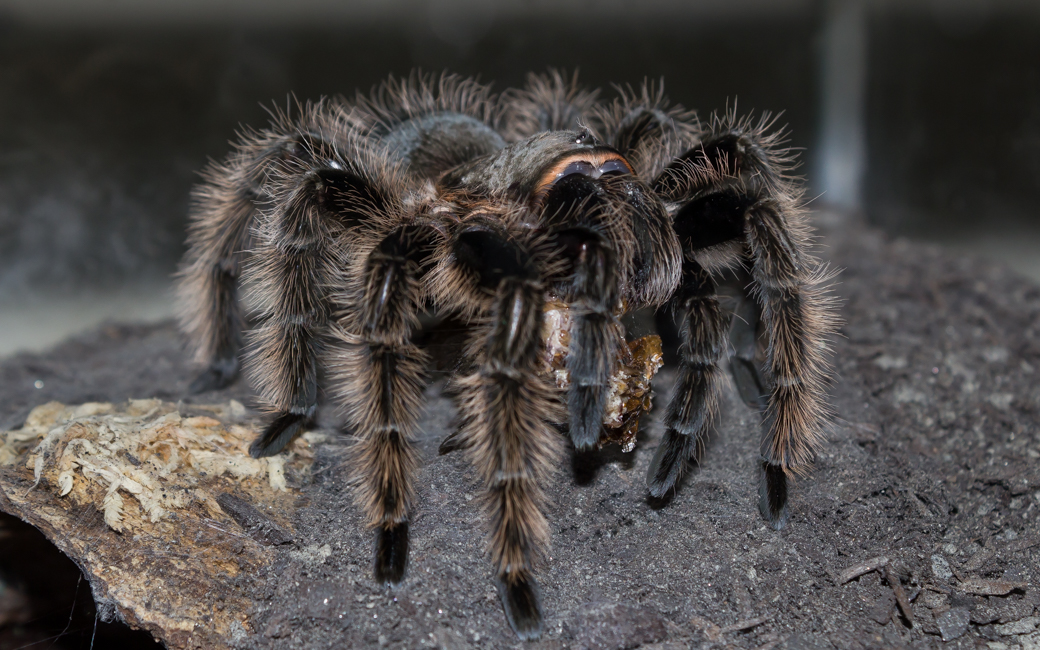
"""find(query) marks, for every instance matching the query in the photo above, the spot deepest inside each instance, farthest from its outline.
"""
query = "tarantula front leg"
(595, 334)
(379, 374)
(695, 398)
(506, 405)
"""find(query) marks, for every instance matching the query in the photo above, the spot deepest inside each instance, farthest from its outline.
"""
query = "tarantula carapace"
(349, 219)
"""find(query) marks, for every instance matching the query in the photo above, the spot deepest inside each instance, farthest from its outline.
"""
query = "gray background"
(924, 115)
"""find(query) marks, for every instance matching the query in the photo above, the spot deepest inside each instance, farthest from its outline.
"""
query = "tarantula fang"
(540, 217)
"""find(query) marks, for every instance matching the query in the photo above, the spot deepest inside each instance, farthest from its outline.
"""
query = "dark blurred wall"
(102, 131)
(953, 121)
(104, 122)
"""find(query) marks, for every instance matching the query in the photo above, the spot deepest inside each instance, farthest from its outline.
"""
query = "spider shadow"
(585, 465)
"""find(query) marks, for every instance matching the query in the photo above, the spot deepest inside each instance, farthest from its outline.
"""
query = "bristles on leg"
(695, 398)
(278, 434)
(379, 374)
(505, 407)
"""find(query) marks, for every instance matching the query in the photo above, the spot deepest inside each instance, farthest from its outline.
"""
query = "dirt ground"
(932, 465)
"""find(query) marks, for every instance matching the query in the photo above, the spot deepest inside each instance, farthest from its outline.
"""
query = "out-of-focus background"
(922, 115)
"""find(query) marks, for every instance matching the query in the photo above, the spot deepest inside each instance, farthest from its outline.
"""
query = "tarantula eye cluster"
(541, 217)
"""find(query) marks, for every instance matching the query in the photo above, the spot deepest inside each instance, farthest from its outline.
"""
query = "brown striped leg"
(224, 211)
(695, 398)
(379, 374)
(797, 319)
(732, 196)
(505, 406)
(301, 244)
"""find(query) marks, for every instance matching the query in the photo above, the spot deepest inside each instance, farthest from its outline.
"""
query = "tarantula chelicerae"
(348, 220)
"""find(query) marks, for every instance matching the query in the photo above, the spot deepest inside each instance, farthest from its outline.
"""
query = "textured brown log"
(161, 506)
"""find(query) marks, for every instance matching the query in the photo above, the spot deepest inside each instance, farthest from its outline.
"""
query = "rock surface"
(932, 465)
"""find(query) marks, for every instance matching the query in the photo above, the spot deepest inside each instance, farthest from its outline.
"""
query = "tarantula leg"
(278, 434)
(695, 398)
(223, 213)
(522, 601)
(797, 317)
(299, 250)
(580, 231)
(220, 373)
(772, 494)
(379, 373)
(208, 286)
(452, 442)
(391, 553)
(505, 408)
(595, 332)
(752, 384)
(733, 199)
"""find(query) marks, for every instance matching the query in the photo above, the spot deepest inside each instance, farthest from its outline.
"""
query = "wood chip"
(747, 624)
(901, 599)
(856, 571)
(983, 587)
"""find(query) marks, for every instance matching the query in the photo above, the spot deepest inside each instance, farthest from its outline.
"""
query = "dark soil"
(932, 463)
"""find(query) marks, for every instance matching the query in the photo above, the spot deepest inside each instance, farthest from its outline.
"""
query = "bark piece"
(133, 493)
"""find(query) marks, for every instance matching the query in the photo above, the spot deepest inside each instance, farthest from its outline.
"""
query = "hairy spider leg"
(573, 210)
(620, 252)
(796, 316)
(738, 203)
(595, 332)
(224, 210)
(548, 102)
(379, 374)
(321, 201)
(695, 398)
(505, 405)
(746, 336)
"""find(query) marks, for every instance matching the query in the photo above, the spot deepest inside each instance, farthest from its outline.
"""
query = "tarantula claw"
(669, 462)
(220, 374)
(522, 603)
(772, 492)
(278, 434)
(391, 553)
(453, 442)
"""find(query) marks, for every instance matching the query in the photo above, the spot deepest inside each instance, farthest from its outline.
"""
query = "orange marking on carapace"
(594, 158)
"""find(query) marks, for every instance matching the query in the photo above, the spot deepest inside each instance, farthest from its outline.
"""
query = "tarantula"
(348, 220)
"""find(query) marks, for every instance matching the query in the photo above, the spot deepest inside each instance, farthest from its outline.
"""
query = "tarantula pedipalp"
(348, 220)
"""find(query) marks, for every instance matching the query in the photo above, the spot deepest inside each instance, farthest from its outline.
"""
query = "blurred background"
(921, 115)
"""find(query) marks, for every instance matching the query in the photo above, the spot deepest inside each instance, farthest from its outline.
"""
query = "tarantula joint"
(540, 217)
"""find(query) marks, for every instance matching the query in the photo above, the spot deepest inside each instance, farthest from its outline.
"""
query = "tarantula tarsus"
(350, 219)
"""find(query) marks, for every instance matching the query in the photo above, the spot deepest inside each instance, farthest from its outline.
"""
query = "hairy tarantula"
(347, 221)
